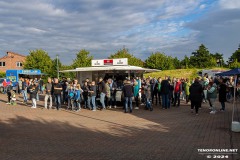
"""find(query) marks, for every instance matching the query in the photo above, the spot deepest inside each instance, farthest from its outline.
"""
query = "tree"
(202, 58)
(38, 59)
(235, 64)
(159, 61)
(56, 64)
(2, 74)
(236, 55)
(185, 62)
(219, 59)
(123, 53)
(82, 59)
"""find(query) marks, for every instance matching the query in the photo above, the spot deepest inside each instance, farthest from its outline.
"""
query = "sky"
(64, 27)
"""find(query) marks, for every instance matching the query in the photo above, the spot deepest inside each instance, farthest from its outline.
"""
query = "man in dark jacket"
(102, 92)
(128, 94)
(222, 93)
(196, 92)
(165, 93)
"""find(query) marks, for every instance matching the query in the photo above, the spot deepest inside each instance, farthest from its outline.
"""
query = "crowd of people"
(164, 92)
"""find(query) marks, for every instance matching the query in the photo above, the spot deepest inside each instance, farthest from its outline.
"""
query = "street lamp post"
(57, 68)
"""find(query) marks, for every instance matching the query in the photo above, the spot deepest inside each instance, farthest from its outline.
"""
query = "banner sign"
(110, 62)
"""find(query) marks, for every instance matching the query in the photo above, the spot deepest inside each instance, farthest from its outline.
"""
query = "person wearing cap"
(195, 96)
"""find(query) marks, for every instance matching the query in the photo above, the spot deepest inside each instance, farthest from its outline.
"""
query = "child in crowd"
(33, 95)
(13, 98)
(71, 97)
(77, 101)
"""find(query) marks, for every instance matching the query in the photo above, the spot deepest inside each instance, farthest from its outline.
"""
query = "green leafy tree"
(132, 60)
(219, 59)
(159, 61)
(202, 58)
(185, 63)
(236, 55)
(82, 59)
(39, 59)
(235, 64)
(177, 63)
(2, 74)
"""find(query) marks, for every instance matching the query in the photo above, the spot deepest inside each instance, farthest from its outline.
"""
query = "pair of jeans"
(212, 101)
(102, 100)
(159, 97)
(128, 103)
(34, 103)
(176, 98)
(93, 101)
(58, 100)
(77, 104)
(113, 99)
(24, 93)
(148, 104)
(223, 105)
(48, 96)
(165, 101)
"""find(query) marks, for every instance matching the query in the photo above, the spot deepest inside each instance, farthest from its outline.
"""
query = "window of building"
(19, 64)
(2, 64)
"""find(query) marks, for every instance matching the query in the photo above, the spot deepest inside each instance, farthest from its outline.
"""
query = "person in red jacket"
(5, 86)
(177, 92)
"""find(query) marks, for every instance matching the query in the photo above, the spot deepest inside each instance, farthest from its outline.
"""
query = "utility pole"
(57, 68)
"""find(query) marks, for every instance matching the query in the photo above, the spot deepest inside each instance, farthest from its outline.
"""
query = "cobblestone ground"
(172, 134)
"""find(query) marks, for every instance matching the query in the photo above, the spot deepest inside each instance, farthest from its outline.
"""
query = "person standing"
(8, 90)
(5, 86)
(77, 97)
(177, 92)
(40, 85)
(57, 89)
(147, 90)
(212, 96)
(33, 95)
(159, 89)
(93, 93)
(222, 93)
(102, 92)
(165, 86)
(113, 89)
(24, 90)
(136, 93)
(49, 92)
(85, 94)
(196, 92)
(128, 94)
(186, 89)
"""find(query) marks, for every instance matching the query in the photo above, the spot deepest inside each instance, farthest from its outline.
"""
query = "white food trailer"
(117, 69)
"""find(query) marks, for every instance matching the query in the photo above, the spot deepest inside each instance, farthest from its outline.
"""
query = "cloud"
(103, 27)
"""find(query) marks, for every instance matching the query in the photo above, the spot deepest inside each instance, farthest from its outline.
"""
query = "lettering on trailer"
(97, 64)
(108, 62)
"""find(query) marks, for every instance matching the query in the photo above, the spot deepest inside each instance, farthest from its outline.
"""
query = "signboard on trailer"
(110, 62)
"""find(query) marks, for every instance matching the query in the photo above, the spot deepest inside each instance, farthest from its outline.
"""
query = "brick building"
(11, 61)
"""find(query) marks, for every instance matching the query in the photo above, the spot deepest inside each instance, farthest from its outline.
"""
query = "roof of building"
(109, 68)
(16, 53)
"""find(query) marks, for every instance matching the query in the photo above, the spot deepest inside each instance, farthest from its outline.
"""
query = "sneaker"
(33, 107)
(136, 108)
(94, 110)
(210, 108)
(196, 114)
(142, 104)
(110, 107)
(115, 106)
(212, 112)
(222, 110)
(8, 103)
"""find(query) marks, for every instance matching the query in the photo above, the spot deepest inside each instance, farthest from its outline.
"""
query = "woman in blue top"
(77, 100)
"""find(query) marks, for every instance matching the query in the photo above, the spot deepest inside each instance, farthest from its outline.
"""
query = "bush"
(2, 74)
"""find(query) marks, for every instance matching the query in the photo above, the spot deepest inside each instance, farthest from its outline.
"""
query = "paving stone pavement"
(174, 134)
